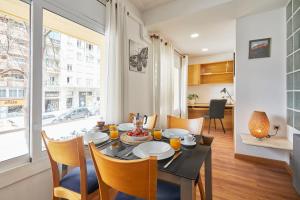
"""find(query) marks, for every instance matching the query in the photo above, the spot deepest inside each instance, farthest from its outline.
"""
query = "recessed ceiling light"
(194, 35)
(205, 49)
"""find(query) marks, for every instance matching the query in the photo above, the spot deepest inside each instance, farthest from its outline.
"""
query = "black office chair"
(216, 111)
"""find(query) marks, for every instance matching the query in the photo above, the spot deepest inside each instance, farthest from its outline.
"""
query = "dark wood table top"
(187, 165)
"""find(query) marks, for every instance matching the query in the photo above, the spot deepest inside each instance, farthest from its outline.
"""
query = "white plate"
(168, 133)
(126, 127)
(188, 144)
(96, 137)
(160, 149)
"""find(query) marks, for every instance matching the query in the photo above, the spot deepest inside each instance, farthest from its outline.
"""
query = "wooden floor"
(235, 179)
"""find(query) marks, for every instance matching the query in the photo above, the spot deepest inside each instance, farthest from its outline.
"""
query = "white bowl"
(138, 138)
(160, 149)
(126, 127)
(168, 133)
(96, 137)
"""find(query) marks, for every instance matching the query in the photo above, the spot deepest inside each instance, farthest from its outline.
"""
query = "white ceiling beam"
(178, 8)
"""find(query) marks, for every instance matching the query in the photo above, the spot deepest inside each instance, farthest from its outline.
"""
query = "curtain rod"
(102, 2)
(155, 36)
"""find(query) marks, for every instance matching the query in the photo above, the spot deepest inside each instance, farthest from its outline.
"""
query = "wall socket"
(276, 127)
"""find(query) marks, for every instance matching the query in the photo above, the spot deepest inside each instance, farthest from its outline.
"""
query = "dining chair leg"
(215, 124)
(222, 126)
(209, 125)
(201, 188)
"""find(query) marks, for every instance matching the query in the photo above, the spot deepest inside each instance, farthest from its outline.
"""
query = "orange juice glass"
(114, 134)
(157, 134)
(175, 143)
(113, 127)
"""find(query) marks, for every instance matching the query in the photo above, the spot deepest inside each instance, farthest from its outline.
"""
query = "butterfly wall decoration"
(138, 57)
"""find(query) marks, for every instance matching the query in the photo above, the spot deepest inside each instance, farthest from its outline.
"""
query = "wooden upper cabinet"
(218, 72)
(194, 75)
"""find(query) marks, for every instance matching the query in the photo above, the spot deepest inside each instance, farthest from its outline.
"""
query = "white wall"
(137, 86)
(37, 187)
(206, 92)
(260, 83)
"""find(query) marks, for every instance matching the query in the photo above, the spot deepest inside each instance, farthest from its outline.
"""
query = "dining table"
(183, 171)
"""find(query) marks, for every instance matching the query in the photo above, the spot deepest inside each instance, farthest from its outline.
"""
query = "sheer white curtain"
(183, 86)
(116, 38)
(169, 82)
(163, 66)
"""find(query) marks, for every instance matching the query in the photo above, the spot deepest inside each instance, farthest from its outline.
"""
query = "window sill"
(19, 173)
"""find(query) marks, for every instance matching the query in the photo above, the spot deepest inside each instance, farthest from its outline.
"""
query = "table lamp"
(259, 124)
(225, 91)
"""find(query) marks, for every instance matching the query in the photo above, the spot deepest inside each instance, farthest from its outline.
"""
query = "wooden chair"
(81, 182)
(151, 122)
(134, 179)
(195, 126)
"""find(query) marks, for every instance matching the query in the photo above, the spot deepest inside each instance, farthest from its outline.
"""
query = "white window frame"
(36, 161)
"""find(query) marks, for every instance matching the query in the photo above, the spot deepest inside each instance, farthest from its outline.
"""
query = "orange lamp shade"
(259, 124)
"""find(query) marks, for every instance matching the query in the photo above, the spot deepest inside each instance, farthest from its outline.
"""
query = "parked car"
(76, 113)
(48, 118)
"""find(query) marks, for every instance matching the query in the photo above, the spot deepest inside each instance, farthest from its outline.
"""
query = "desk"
(200, 109)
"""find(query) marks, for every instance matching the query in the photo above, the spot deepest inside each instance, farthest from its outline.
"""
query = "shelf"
(222, 73)
(272, 142)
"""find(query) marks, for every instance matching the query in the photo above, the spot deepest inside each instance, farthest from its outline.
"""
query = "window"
(13, 93)
(73, 105)
(14, 63)
(79, 44)
(89, 58)
(20, 93)
(69, 80)
(69, 102)
(89, 46)
(2, 93)
(43, 81)
(176, 84)
(79, 56)
(69, 67)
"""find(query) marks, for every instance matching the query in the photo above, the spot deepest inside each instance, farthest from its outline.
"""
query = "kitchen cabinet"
(194, 75)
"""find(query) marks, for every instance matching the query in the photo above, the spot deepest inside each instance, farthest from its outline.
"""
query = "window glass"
(14, 78)
(73, 105)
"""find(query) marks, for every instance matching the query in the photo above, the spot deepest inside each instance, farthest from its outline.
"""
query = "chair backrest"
(217, 108)
(136, 177)
(150, 122)
(131, 117)
(193, 125)
(67, 152)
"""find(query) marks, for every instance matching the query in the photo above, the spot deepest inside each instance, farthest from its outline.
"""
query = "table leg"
(208, 177)
(187, 189)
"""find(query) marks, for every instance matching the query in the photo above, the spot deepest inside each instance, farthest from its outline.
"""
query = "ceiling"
(215, 23)
(144, 5)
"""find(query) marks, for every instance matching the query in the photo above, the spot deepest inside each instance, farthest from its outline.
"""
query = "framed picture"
(260, 48)
(138, 57)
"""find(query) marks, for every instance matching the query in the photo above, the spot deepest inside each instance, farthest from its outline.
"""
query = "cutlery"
(128, 154)
(176, 156)
(106, 143)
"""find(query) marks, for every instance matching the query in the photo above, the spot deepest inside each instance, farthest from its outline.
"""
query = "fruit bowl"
(138, 135)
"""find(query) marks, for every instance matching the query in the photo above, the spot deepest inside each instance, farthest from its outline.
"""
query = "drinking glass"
(113, 127)
(114, 134)
(175, 143)
(157, 134)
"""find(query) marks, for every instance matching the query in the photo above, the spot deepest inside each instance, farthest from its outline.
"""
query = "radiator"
(295, 162)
